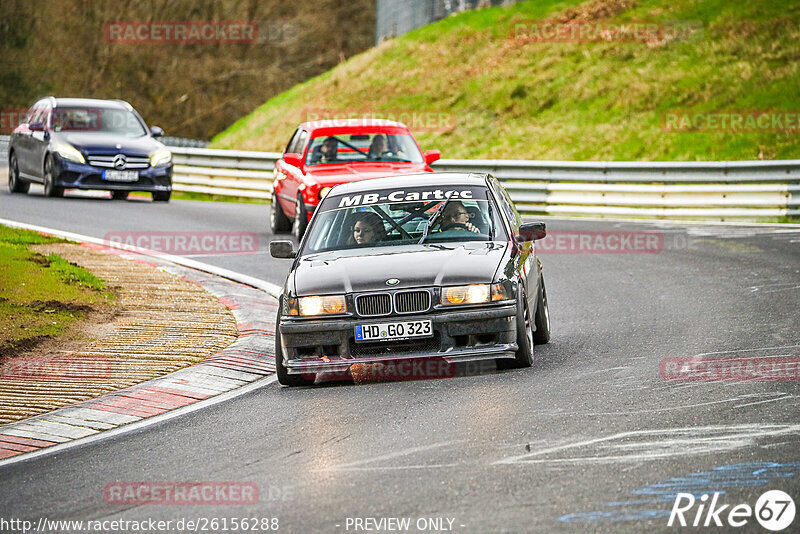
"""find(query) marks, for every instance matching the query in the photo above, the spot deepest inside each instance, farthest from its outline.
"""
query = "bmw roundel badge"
(392, 282)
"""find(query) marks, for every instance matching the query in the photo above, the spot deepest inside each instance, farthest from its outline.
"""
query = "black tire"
(279, 223)
(284, 378)
(15, 183)
(524, 356)
(119, 195)
(50, 187)
(301, 219)
(541, 335)
(161, 196)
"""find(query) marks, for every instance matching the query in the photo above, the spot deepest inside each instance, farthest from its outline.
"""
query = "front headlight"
(67, 151)
(314, 305)
(160, 158)
(474, 294)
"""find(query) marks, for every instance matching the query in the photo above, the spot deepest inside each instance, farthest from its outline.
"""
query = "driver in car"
(327, 152)
(456, 217)
(377, 148)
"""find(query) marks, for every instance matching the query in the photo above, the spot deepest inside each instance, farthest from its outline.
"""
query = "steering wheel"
(456, 226)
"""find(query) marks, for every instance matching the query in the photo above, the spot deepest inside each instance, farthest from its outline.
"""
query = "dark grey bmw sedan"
(411, 270)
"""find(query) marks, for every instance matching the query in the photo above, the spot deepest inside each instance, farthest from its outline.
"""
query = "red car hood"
(333, 174)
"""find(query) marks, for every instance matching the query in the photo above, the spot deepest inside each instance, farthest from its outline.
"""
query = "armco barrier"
(713, 189)
(719, 190)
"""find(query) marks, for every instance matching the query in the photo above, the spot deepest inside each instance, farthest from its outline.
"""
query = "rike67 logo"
(774, 510)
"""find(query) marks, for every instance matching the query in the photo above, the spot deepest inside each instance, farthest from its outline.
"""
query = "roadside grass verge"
(41, 296)
(181, 195)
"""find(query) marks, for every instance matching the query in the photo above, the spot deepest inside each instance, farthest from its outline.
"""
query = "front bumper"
(72, 175)
(328, 346)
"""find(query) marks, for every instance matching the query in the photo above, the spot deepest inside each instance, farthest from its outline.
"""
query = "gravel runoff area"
(163, 323)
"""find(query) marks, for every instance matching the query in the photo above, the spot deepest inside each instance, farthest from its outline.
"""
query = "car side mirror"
(282, 249)
(155, 131)
(36, 127)
(431, 156)
(292, 159)
(531, 232)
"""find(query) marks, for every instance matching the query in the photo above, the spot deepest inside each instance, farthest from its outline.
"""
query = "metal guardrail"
(3, 150)
(720, 190)
(183, 142)
(727, 189)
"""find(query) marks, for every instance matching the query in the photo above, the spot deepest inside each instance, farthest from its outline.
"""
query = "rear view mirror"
(431, 156)
(155, 131)
(36, 127)
(292, 159)
(282, 249)
(531, 232)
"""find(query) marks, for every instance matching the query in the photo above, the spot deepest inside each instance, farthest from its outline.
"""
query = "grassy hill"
(513, 98)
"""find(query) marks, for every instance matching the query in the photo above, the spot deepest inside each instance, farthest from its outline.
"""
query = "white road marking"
(647, 445)
(764, 401)
(389, 456)
(737, 351)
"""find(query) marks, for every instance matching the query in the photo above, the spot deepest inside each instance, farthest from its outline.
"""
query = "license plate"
(393, 331)
(121, 176)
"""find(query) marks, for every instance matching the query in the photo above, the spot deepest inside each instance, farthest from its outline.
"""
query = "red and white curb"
(241, 367)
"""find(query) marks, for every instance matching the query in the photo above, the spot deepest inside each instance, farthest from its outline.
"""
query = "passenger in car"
(456, 217)
(367, 228)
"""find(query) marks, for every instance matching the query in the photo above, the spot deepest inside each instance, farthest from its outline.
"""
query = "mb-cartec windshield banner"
(406, 194)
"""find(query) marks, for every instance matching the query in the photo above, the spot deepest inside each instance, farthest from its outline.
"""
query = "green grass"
(216, 198)
(42, 296)
(567, 101)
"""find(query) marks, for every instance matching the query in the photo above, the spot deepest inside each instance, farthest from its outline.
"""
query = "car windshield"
(362, 147)
(96, 119)
(400, 217)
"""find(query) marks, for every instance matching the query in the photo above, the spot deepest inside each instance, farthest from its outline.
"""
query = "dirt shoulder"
(159, 323)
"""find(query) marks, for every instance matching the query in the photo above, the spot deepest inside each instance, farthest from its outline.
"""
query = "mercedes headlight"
(67, 151)
(160, 158)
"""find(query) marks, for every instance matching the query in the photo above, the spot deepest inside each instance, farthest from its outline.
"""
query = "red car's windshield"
(355, 148)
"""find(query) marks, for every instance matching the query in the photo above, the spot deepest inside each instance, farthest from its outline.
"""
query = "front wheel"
(15, 184)
(161, 196)
(279, 223)
(524, 355)
(300, 219)
(284, 378)
(50, 187)
(542, 320)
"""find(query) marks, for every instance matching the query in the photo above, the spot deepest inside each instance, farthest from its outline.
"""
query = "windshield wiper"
(435, 215)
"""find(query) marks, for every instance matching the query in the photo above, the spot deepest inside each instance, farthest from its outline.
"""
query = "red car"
(325, 153)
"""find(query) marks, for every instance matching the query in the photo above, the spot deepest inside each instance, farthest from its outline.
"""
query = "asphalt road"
(592, 438)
